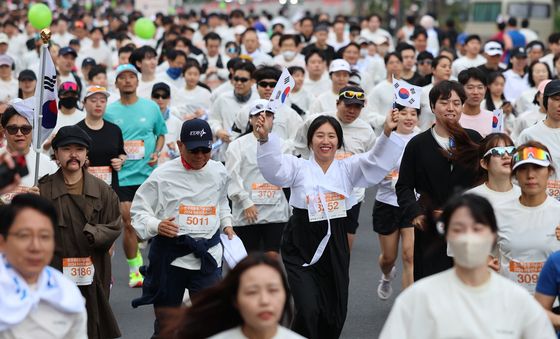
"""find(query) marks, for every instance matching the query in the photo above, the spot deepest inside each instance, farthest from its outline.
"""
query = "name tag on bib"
(79, 270)
(553, 189)
(197, 219)
(104, 173)
(335, 203)
(134, 149)
(525, 274)
(265, 194)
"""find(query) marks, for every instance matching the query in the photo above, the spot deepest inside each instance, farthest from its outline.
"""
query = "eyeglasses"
(69, 86)
(532, 152)
(500, 151)
(425, 62)
(240, 79)
(353, 94)
(27, 237)
(160, 96)
(202, 150)
(269, 84)
(13, 129)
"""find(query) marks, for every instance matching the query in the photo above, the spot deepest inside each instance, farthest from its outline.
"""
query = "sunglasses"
(532, 152)
(240, 79)
(500, 151)
(69, 86)
(160, 96)
(203, 150)
(13, 129)
(269, 84)
(353, 94)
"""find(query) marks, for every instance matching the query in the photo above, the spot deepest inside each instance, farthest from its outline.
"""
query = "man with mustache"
(89, 221)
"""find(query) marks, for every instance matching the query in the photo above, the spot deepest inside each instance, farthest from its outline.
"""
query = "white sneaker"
(385, 290)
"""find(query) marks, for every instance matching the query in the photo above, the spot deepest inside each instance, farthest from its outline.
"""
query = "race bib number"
(553, 189)
(265, 194)
(197, 219)
(7, 198)
(134, 149)
(525, 274)
(335, 203)
(79, 270)
(104, 173)
(342, 155)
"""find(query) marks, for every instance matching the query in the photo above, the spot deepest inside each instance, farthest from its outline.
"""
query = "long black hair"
(213, 310)
(488, 96)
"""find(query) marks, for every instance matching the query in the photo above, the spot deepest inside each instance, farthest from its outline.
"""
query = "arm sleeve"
(368, 169)
(236, 189)
(105, 234)
(144, 210)
(300, 139)
(537, 323)
(214, 119)
(373, 117)
(79, 327)
(225, 212)
(406, 185)
(277, 168)
(548, 277)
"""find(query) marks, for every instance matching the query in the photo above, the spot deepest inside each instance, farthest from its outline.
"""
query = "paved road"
(366, 312)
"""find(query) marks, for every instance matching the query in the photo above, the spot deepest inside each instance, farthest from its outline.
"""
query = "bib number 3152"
(335, 204)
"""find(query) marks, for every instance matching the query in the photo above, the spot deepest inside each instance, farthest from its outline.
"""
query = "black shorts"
(387, 218)
(352, 216)
(126, 193)
(261, 237)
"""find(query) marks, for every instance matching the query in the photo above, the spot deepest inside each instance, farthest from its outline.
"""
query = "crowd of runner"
(172, 144)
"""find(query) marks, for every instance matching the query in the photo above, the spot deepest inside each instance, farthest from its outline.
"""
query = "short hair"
(443, 91)
(375, 15)
(472, 37)
(419, 31)
(285, 37)
(9, 113)
(512, 21)
(403, 46)
(315, 51)
(8, 213)
(244, 65)
(294, 69)
(249, 30)
(140, 54)
(267, 72)
(392, 54)
(172, 54)
(306, 18)
(126, 49)
(472, 73)
(320, 121)
(190, 63)
(97, 69)
(524, 23)
(212, 36)
(96, 28)
(554, 38)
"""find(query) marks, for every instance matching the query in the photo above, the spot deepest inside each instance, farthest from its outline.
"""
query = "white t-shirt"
(525, 100)
(8, 90)
(550, 137)
(526, 237)
(464, 62)
(427, 117)
(482, 122)
(188, 101)
(236, 333)
(317, 87)
(63, 120)
(526, 120)
(325, 102)
(442, 306)
(515, 85)
(494, 197)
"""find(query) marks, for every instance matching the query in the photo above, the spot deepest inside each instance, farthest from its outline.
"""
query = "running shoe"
(135, 280)
(385, 290)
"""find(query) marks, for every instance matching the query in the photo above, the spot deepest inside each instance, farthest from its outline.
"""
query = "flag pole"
(45, 37)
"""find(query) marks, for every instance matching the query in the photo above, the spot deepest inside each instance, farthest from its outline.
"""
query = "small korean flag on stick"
(283, 88)
(406, 94)
(498, 121)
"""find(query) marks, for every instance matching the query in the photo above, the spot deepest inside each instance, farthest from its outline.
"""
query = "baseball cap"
(196, 133)
(352, 95)
(542, 85)
(519, 52)
(91, 90)
(5, 59)
(4, 38)
(88, 62)
(125, 68)
(552, 88)
(71, 135)
(339, 65)
(161, 86)
(260, 106)
(27, 74)
(493, 48)
(67, 50)
(531, 155)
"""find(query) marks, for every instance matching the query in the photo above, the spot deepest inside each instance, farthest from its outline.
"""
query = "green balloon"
(144, 28)
(40, 16)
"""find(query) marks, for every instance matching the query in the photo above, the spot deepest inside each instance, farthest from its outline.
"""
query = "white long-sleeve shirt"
(224, 110)
(325, 102)
(196, 198)
(286, 121)
(442, 306)
(247, 187)
(379, 102)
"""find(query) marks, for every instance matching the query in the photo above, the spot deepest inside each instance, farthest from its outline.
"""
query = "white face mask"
(289, 55)
(471, 250)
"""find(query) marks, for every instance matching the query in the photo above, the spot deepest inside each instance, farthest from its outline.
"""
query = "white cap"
(339, 65)
(380, 40)
(91, 90)
(4, 38)
(239, 29)
(493, 48)
(259, 106)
